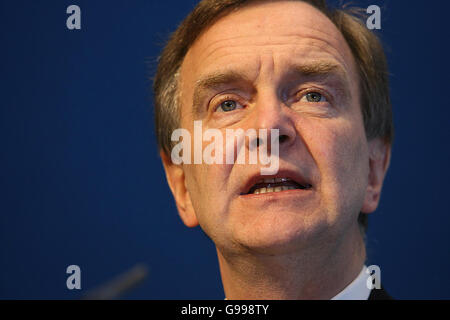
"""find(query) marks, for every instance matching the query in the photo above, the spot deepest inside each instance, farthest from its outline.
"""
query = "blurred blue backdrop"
(81, 181)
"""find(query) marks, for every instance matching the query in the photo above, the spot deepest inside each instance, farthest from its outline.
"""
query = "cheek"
(198, 183)
(340, 152)
(206, 185)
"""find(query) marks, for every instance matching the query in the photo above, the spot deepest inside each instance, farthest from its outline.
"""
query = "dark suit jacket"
(379, 294)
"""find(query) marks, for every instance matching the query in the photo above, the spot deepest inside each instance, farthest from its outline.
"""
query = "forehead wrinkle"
(253, 40)
(323, 29)
(297, 47)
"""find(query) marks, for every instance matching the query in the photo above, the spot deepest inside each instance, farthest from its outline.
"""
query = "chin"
(282, 233)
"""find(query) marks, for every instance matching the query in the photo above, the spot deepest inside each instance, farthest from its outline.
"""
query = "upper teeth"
(270, 188)
(273, 180)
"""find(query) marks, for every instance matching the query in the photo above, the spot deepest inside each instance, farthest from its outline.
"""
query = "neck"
(317, 272)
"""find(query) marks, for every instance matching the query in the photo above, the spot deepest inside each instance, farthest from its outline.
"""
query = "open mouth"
(276, 185)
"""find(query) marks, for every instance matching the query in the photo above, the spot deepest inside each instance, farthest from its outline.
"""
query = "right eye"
(315, 97)
(228, 105)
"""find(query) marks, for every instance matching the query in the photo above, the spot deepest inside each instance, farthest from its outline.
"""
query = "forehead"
(290, 32)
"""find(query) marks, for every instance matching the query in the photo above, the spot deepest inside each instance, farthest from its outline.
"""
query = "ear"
(379, 159)
(176, 180)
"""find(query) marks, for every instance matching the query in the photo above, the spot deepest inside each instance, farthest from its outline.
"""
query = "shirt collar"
(357, 289)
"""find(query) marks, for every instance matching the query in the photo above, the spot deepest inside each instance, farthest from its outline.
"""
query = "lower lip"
(279, 194)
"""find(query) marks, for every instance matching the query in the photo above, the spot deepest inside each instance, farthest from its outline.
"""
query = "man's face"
(279, 65)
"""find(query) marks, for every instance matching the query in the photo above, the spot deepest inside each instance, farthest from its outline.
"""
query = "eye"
(228, 105)
(314, 97)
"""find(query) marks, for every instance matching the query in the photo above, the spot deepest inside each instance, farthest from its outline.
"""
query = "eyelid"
(226, 97)
(301, 93)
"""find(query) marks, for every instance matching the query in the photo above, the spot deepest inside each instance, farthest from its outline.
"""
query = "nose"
(270, 113)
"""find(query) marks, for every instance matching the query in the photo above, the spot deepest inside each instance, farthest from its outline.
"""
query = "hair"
(365, 46)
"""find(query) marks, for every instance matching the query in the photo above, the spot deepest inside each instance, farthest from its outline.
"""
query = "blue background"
(81, 181)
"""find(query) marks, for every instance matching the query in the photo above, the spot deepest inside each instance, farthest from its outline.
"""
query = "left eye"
(227, 106)
(314, 97)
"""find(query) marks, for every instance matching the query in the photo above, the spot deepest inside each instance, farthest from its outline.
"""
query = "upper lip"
(290, 174)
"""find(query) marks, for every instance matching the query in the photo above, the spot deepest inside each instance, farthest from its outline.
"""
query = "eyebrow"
(213, 82)
(322, 69)
(325, 70)
(319, 68)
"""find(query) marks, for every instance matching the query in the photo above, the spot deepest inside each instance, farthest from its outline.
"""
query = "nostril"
(256, 143)
(259, 142)
(283, 138)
